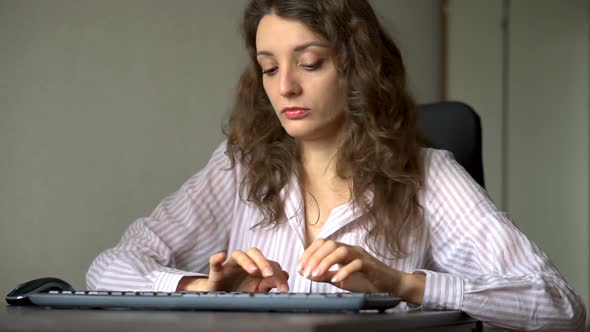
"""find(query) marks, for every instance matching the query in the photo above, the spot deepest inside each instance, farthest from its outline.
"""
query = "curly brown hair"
(380, 150)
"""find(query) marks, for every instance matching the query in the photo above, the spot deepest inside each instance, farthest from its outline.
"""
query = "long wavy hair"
(379, 151)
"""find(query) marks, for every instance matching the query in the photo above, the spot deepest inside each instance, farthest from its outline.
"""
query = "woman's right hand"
(246, 271)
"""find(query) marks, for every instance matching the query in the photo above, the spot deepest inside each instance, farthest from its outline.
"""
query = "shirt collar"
(340, 216)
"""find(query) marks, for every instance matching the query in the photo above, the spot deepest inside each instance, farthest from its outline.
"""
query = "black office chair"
(455, 127)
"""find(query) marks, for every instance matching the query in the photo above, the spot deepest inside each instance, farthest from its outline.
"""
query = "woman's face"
(300, 78)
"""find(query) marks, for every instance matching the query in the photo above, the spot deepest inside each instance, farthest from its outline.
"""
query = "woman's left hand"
(359, 271)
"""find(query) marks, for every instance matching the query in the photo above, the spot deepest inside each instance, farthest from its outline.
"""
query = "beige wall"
(532, 58)
(108, 106)
(474, 76)
(548, 130)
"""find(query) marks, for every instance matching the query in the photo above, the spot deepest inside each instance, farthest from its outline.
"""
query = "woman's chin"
(307, 136)
(306, 132)
(298, 132)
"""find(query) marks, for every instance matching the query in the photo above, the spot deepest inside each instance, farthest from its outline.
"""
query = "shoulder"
(221, 159)
(440, 165)
(219, 172)
(447, 183)
(433, 157)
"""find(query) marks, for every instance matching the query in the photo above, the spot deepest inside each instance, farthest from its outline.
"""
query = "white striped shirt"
(474, 258)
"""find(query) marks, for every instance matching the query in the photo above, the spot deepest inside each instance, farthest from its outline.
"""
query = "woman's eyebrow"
(298, 48)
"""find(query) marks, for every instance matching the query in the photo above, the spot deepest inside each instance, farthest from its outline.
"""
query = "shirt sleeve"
(177, 239)
(483, 264)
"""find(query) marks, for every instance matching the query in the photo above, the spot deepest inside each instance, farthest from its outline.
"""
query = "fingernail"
(316, 272)
(307, 272)
(252, 268)
(299, 266)
(267, 272)
(336, 278)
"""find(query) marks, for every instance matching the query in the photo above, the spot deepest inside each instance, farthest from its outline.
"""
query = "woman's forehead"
(279, 34)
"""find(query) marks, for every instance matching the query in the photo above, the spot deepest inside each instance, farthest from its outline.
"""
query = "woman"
(322, 186)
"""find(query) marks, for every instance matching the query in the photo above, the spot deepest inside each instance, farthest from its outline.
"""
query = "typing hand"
(359, 271)
(246, 271)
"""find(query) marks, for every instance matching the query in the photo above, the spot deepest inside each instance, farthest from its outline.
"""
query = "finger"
(216, 267)
(216, 262)
(269, 283)
(324, 250)
(280, 277)
(341, 255)
(266, 284)
(263, 264)
(242, 259)
(345, 271)
(308, 252)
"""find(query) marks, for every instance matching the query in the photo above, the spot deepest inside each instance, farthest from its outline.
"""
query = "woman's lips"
(295, 112)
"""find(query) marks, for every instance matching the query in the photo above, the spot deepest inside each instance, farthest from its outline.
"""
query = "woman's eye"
(270, 71)
(313, 66)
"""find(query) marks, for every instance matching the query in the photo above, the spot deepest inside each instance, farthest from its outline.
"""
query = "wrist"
(192, 284)
(411, 287)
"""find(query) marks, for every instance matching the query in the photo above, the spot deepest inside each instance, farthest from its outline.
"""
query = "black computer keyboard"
(213, 301)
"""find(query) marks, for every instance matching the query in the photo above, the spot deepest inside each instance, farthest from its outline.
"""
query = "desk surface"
(42, 319)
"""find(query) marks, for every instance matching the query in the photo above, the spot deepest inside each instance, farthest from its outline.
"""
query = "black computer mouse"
(19, 295)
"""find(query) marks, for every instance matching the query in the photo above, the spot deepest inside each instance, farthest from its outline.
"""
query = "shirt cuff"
(442, 291)
(168, 281)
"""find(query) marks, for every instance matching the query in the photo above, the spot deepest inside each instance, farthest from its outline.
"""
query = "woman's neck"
(318, 159)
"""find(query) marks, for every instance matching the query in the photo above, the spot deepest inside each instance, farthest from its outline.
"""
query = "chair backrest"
(455, 127)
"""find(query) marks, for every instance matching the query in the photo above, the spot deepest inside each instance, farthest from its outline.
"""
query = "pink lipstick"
(294, 112)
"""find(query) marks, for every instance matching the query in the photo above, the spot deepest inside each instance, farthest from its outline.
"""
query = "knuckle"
(359, 262)
(331, 244)
(253, 251)
(343, 250)
(358, 251)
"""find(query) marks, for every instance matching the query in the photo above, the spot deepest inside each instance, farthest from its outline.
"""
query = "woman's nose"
(289, 84)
